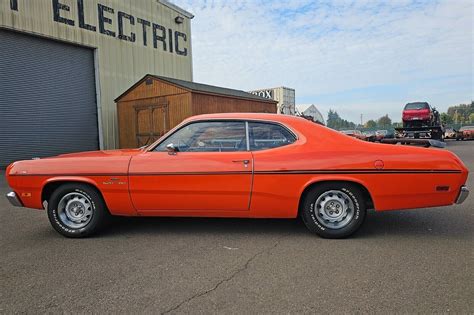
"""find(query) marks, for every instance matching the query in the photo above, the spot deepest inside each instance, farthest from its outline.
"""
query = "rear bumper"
(14, 200)
(463, 193)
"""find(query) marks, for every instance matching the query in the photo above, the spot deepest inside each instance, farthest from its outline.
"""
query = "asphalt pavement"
(413, 261)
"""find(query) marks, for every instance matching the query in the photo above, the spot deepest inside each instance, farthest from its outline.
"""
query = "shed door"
(47, 98)
(152, 121)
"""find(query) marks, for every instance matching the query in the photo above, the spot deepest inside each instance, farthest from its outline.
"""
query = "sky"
(357, 57)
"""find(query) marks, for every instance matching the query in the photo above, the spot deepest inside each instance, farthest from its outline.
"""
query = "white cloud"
(326, 49)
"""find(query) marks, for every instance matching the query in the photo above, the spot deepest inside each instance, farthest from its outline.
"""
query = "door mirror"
(171, 149)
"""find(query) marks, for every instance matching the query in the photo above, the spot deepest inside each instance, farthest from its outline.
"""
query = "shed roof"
(201, 88)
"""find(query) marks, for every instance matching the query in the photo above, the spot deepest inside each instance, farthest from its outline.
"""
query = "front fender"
(114, 190)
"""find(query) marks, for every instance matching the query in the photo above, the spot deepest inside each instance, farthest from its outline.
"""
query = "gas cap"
(378, 164)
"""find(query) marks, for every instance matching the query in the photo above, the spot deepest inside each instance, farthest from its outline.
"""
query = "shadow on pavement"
(422, 222)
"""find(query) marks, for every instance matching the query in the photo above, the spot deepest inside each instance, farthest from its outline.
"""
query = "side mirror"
(171, 149)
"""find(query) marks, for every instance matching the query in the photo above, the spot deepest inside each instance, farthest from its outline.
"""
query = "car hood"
(98, 154)
(91, 162)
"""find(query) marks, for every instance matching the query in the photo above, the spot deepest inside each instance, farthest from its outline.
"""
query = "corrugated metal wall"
(120, 63)
(47, 98)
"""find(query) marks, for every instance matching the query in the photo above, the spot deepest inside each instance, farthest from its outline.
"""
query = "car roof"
(253, 116)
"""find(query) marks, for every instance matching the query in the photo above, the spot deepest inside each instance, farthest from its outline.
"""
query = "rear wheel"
(77, 210)
(333, 210)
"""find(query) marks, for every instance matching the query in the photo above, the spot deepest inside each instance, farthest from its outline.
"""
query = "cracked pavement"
(416, 261)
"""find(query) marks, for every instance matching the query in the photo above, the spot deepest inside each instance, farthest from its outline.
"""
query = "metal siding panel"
(47, 98)
(120, 63)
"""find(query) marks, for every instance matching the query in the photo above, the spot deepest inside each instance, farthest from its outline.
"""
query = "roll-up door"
(47, 98)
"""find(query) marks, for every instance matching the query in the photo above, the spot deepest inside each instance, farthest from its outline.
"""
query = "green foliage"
(384, 121)
(371, 124)
(460, 114)
(446, 119)
(471, 118)
(336, 122)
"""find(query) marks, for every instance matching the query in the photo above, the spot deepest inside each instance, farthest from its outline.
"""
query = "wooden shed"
(156, 104)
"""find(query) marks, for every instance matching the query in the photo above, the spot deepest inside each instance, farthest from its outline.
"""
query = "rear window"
(417, 106)
(268, 136)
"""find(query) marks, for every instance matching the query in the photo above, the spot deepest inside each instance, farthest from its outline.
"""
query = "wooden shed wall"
(206, 104)
(131, 106)
(141, 118)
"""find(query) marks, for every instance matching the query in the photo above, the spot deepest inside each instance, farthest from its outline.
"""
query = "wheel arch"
(54, 183)
(369, 201)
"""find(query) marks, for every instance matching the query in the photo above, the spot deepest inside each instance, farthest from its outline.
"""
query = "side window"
(267, 136)
(209, 136)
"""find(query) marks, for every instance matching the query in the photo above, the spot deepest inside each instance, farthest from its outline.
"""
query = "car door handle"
(246, 162)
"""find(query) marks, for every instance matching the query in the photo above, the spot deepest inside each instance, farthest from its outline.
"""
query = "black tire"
(99, 213)
(313, 218)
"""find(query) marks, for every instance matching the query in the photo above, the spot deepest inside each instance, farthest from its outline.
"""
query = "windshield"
(417, 105)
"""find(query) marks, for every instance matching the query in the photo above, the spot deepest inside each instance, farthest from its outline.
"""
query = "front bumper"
(463, 193)
(14, 200)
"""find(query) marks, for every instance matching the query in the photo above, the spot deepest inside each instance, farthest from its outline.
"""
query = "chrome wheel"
(334, 209)
(75, 210)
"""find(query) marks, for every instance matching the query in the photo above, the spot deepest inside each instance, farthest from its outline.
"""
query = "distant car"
(381, 134)
(369, 136)
(420, 114)
(449, 133)
(355, 133)
(465, 133)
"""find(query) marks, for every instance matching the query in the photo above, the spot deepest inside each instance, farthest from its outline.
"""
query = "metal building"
(283, 95)
(311, 111)
(63, 62)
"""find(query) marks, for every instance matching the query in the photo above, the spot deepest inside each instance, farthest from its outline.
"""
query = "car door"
(202, 166)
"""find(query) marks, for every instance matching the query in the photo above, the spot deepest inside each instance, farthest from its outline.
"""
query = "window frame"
(247, 132)
(295, 136)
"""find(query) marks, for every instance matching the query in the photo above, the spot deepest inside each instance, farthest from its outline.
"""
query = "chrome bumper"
(14, 200)
(463, 193)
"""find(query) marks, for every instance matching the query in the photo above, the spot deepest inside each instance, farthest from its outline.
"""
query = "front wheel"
(333, 210)
(77, 210)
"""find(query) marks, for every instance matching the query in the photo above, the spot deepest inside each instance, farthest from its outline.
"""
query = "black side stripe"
(407, 171)
(271, 172)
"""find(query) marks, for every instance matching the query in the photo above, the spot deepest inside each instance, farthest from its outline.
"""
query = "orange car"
(240, 165)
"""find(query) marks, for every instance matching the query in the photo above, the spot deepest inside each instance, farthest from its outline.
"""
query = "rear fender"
(338, 178)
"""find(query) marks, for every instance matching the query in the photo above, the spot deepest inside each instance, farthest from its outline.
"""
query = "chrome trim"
(247, 136)
(463, 193)
(14, 200)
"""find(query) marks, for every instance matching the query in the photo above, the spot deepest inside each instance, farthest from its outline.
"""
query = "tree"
(461, 113)
(333, 119)
(458, 118)
(471, 118)
(384, 121)
(371, 124)
(446, 119)
(336, 122)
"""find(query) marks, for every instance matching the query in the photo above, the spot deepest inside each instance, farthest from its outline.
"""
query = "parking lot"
(402, 261)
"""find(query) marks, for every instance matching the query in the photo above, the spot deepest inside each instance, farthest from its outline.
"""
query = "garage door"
(47, 98)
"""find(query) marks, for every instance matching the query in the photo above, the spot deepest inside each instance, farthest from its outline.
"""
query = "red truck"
(420, 121)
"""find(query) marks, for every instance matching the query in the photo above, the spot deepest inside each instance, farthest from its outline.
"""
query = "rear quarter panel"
(410, 176)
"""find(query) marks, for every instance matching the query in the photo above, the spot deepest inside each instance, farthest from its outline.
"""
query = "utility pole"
(361, 115)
